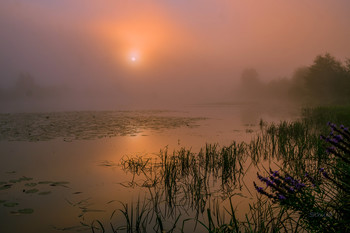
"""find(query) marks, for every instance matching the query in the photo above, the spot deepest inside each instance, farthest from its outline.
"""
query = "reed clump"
(197, 188)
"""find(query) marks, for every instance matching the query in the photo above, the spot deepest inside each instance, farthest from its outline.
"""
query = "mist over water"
(78, 54)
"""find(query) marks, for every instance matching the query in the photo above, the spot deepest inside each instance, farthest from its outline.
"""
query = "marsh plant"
(190, 191)
(321, 200)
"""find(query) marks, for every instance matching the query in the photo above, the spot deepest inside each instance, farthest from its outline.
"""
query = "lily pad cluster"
(86, 125)
(28, 187)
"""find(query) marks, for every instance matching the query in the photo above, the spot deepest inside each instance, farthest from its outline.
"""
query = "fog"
(110, 54)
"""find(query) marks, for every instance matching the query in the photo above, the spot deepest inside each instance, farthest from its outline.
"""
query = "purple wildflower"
(330, 150)
(269, 183)
(338, 137)
(342, 126)
(321, 169)
(259, 189)
(275, 173)
(281, 197)
(288, 179)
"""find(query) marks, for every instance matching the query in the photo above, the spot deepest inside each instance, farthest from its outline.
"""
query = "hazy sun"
(133, 59)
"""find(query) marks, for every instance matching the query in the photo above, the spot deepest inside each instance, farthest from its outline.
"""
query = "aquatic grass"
(323, 204)
(297, 198)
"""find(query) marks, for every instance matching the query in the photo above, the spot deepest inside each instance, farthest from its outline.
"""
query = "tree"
(327, 80)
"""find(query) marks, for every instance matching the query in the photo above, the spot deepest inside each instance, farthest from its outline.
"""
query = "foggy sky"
(186, 50)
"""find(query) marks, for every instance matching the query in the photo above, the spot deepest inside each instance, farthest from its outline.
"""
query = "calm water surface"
(56, 184)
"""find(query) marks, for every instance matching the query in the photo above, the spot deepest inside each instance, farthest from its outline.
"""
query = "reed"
(182, 185)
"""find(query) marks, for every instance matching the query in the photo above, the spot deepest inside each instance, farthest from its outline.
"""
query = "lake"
(60, 171)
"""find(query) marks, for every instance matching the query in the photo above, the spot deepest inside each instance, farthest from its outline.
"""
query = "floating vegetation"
(31, 184)
(23, 178)
(22, 211)
(199, 186)
(107, 163)
(5, 186)
(28, 188)
(10, 204)
(31, 191)
(86, 125)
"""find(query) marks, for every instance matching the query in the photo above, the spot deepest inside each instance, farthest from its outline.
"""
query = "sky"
(145, 50)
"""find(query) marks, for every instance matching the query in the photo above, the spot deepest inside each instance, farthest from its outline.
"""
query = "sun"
(134, 56)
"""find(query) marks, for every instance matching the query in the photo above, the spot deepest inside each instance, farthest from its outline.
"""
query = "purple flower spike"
(275, 173)
(288, 179)
(322, 169)
(342, 126)
(281, 197)
(269, 183)
(259, 189)
(338, 137)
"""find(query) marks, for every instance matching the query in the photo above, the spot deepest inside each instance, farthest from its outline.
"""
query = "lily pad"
(10, 204)
(44, 193)
(23, 211)
(60, 183)
(6, 186)
(45, 182)
(31, 190)
(21, 179)
(30, 184)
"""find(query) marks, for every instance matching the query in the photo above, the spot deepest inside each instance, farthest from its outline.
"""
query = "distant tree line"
(26, 88)
(326, 81)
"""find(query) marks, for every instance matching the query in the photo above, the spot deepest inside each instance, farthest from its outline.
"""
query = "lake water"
(60, 171)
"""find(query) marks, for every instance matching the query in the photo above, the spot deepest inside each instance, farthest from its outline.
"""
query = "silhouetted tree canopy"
(326, 81)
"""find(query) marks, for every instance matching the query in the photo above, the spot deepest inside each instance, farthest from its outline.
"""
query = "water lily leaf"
(44, 193)
(25, 178)
(92, 210)
(77, 192)
(30, 184)
(45, 182)
(10, 204)
(31, 190)
(6, 186)
(61, 183)
(23, 211)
